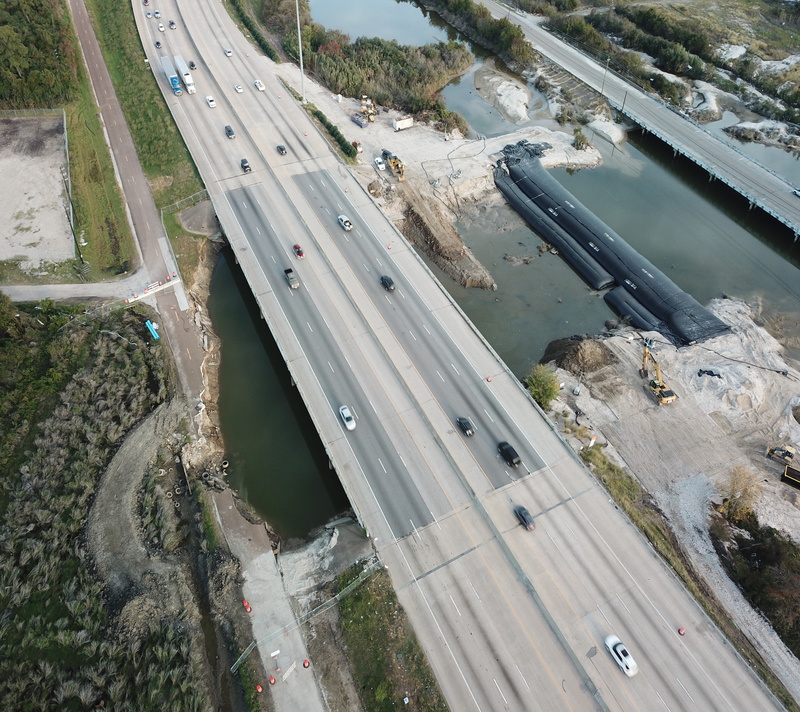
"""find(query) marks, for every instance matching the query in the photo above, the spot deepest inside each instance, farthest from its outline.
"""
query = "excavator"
(782, 453)
(662, 394)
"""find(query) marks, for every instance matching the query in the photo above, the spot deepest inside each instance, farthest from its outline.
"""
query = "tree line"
(38, 62)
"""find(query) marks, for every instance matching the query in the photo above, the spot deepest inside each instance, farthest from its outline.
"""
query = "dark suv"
(387, 282)
(509, 454)
(466, 426)
(229, 132)
(246, 165)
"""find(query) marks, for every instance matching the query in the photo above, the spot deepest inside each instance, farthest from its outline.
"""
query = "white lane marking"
(325, 322)
(455, 606)
(402, 460)
(685, 690)
(426, 329)
(244, 205)
(309, 327)
(273, 259)
(348, 361)
(455, 369)
(366, 267)
(411, 333)
(505, 701)
(604, 615)
(440, 376)
(381, 464)
(523, 677)
(474, 591)
(572, 532)
(666, 706)
(378, 260)
(416, 533)
(373, 407)
(623, 604)
(487, 415)
(331, 367)
(259, 231)
(555, 543)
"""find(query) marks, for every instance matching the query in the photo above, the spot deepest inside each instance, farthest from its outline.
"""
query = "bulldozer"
(659, 389)
(782, 453)
(395, 164)
(368, 108)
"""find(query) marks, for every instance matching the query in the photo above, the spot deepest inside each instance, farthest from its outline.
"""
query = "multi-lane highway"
(510, 619)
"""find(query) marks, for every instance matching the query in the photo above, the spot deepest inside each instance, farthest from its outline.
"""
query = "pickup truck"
(345, 223)
(292, 278)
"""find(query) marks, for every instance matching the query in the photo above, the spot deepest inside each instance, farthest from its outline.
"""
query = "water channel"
(698, 232)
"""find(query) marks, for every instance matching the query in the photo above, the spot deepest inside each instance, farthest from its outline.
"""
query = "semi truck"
(172, 76)
(185, 74)
(292, 279)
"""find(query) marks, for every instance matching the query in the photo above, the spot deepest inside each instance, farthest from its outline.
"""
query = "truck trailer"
(185, 74)
(172, 76)
(404, 122)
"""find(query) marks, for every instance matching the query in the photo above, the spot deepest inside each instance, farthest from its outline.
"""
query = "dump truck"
(292, 279)
(172, 76)
(360, 119)
(185, 74)
(395, 164)
(404, 122)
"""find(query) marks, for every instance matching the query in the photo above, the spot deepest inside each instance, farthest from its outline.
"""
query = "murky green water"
(699, 233)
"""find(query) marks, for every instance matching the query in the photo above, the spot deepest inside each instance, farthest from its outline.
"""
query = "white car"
(621, 655)
(239, 88)
(160, 27)
(157, 14)
(347, 418)
(379, 164)
(228, 52)
(211, 103)
(344, 221)
(148, 14)
(259, 84)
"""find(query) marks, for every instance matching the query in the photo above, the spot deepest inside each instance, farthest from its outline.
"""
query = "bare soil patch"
(34, 228)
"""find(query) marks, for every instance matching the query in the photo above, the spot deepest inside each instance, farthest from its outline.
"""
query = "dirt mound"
(433, 233)
(577, 354)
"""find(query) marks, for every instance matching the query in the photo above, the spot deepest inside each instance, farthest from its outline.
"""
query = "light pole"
(300, 49)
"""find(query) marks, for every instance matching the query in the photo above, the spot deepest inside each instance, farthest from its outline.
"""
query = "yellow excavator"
(395, 164)
(662, 394)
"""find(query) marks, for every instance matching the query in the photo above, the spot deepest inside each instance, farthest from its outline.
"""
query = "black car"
(158, 44)
(229, 132)
(466, 426)
(509, 454)
(246, 165)
(172, 25)
(192, 65)
(387, 282)
(524, 517)
(282, 150)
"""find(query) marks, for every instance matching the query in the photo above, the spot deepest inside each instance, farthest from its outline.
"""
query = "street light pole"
(300, 49)
(603, 85)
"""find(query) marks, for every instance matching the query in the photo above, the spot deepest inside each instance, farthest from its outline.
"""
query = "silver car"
(621, 655)
(347, 418)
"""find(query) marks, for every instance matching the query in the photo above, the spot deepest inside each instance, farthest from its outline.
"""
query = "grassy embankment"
(640, 509)
(73, 386)
(385, 674)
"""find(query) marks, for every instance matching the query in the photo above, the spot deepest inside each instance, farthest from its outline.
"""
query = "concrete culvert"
(169, 495)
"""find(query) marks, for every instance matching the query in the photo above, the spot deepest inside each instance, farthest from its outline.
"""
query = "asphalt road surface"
(510, 619)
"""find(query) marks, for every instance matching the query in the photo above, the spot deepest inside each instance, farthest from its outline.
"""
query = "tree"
(580, 142)
(542, 385)
(741, 494)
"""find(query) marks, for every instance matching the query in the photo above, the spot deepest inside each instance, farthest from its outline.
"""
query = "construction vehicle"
(782, 453)
(396, 165)
(368, 108)
(360, 119)
(791, 476)
(659, 390)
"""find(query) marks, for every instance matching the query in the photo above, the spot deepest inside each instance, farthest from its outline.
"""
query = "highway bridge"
(722, 160)
(510, 619)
